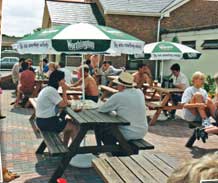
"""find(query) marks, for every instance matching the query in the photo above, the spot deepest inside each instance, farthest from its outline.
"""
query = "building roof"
(74, 12)
(139, 6)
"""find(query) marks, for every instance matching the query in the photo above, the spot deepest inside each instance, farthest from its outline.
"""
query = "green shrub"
(209, 85)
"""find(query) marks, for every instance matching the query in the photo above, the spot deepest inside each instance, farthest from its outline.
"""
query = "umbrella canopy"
(169, 51)
(79, 38)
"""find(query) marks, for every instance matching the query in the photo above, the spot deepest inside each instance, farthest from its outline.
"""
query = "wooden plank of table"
(161, 165)
(151, 169)
(69, 92)
(137, 169)
(171, 161)
(75, 115)
(106, 171)
(122, 170)
(167, 90)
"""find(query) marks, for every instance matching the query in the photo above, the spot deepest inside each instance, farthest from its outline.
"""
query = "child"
(197, 105)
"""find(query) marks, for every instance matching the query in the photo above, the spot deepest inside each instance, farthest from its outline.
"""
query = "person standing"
(67, 73)
(16, 70)
(129, 104)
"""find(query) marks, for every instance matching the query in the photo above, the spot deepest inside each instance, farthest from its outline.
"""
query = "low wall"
(6, 82)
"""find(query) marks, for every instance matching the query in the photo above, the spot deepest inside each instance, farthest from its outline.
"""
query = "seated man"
(91, 88)
(141, 76)
(179, 81)
(129, 104)
(26, 82)
(197, 105)
(108, 70)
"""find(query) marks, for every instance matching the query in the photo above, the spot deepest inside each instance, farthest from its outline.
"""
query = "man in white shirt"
(129, 104)
(180, 81)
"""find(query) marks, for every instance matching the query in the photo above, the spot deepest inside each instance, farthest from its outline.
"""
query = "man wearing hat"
(128, 103)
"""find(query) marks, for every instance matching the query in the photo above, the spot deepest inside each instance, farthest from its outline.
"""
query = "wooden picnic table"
(92, 120)
(146, 167)
(70, 92)
(165, 94)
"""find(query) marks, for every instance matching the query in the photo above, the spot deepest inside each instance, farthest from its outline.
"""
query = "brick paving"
(18, 143)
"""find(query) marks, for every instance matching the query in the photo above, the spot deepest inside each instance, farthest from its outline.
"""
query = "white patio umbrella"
(169, 51)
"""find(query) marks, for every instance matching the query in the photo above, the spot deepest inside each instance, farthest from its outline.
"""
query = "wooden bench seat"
(146, 167)
(53, 142)
(140, 144)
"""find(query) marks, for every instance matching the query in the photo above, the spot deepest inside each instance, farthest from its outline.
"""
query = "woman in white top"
(48, 102)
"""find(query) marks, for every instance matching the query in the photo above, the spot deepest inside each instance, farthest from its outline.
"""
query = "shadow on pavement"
(198, 152)
(171, 128)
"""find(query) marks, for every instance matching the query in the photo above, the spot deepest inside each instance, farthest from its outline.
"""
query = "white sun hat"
(125, 79)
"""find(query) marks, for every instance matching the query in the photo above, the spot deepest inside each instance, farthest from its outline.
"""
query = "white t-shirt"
(186, 97)
(181, 79)
(130, 105)
(47, 102)
(67, 75)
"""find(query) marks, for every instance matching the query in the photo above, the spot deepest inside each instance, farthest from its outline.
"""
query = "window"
(191, 44)
(210, 44)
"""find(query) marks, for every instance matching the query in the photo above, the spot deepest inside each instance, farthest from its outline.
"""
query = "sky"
(20, 17)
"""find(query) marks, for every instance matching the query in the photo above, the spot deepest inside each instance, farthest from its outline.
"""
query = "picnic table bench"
(51, 140)
(145, 167)
(164, 103)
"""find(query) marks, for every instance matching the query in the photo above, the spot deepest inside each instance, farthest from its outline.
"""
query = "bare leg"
(198, 98)
(212, 108)
(70, 131)
(211, 129)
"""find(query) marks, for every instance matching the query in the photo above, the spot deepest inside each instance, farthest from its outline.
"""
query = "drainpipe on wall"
(158, 39)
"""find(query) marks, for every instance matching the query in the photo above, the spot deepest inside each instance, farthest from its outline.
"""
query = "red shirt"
(27, 81)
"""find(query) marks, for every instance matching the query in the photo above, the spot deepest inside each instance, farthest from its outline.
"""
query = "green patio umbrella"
(79, 38)
(169, 51)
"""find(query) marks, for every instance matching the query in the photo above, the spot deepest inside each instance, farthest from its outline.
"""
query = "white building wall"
(208, 62)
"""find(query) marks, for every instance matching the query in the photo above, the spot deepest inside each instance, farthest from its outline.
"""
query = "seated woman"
(26, 82)
(197, 105)
(48, 102)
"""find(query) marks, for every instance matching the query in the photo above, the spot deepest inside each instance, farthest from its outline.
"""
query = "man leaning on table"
(129, 104)
(180, 81)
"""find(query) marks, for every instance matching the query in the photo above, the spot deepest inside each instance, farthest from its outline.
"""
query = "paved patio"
(19, 143)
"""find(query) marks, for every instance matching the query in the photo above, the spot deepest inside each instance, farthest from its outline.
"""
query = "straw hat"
(125, 79)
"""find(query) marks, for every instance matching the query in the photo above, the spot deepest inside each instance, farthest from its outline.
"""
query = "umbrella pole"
(83, 79)
(156, 65)
(161, 72)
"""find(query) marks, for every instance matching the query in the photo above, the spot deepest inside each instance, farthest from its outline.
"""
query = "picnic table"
(93, 120)
(161, 105)
(146, 167)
